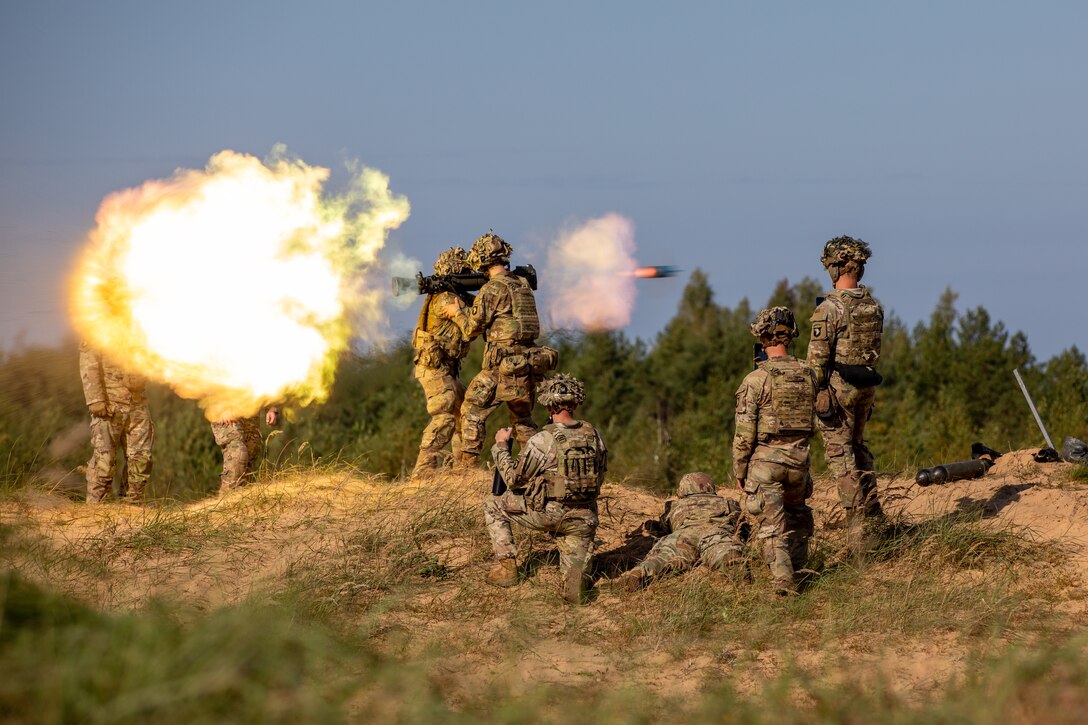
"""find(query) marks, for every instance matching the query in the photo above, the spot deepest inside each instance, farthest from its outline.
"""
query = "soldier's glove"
(101, 409)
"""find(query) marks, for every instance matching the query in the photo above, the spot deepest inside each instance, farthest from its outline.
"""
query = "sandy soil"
(251, 541)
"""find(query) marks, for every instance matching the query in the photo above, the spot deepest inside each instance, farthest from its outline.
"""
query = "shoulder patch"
(819, 329)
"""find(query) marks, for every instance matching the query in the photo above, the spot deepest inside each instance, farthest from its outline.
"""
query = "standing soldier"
(701, 528)
(241, 442)
(552, 487)
(843, 350)
(770, 449)
(504, 312)
(120, 421)
(439, 346)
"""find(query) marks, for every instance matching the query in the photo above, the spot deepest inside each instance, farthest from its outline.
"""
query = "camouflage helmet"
(488, 250)
(697, 482)
(845, 254)
(561, 391)
(451, 261)
(776, 324)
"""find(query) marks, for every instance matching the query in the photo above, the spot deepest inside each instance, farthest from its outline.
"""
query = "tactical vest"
(793, 398)
(436, 342)
(858, 343)
(581, 463)
(521, 324)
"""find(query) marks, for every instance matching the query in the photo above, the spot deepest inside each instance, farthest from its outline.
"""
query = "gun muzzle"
(405, 286)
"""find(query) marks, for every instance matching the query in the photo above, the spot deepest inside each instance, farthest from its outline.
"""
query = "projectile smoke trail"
(591, 275)
(239, 284)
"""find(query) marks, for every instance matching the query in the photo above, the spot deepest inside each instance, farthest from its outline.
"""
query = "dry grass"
(385, 578)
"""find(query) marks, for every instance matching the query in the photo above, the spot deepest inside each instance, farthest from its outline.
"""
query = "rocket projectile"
(662, 270)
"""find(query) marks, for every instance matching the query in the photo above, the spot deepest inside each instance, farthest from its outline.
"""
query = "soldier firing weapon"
(459, 283)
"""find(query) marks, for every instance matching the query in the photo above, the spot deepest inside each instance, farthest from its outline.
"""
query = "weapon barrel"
(1034, 411)
(955, 471)
(405, 286)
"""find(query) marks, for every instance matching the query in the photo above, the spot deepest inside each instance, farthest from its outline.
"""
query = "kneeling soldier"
(552, 487)
(775, 410)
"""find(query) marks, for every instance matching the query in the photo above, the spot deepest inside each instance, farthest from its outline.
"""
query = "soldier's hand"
(101, 409)
(502, 435)
(272, 416)
(740, 483)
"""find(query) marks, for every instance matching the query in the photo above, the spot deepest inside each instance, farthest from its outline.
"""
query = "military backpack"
(793, 398)
(581, 463)
(863, 324)
(523, 323)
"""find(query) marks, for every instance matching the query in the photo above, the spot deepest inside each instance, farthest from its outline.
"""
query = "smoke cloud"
(591, 275)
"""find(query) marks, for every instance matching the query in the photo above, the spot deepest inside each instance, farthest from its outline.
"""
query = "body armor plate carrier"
(523, 325)
(793, 398)
(859, 342)
(581, 463)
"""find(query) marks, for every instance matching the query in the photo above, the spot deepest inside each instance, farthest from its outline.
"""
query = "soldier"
(120, 422)
(241, 442)
(770, 449)
(701, 527)
(439, 346)
(504, 312)
(843, 350)
(552, 487)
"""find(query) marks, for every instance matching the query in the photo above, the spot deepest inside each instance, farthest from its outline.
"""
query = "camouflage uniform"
(701, 527)
(845, 343)
(440, 345)
(552, 487)
(504, 312)
(241, 442)
(771, 456)
(120, 421)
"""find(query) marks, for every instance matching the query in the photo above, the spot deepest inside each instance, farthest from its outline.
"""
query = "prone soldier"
(120, 423)
(771, 448)
(844, 350)
(552, 487)
(504, 312)
(701, 527)
(440, 345)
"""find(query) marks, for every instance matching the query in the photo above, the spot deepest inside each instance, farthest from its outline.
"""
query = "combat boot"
(574, 585)
(858, 538)
(427, 463)
(503, 573)
(468, 461)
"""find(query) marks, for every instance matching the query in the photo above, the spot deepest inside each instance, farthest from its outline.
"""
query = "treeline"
(664, 408)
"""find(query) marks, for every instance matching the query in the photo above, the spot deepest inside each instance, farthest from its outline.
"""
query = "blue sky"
(737, 136)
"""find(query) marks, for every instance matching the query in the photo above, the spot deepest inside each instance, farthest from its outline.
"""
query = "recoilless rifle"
(458, 283)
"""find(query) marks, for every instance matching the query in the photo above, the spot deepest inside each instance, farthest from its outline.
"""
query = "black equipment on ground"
(982, 457)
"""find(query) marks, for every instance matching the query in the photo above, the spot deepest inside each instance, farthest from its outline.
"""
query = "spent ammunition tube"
(955, 471)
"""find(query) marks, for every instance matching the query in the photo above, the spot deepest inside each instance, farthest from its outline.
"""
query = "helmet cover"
(488, 250)
(561, 391)
(451, 261)
(776, 324)
(696, 482)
